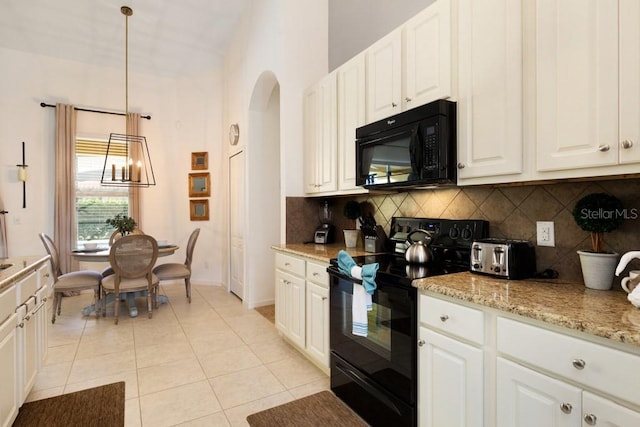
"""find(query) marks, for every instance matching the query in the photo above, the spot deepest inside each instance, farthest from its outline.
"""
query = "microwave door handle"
(415, 153)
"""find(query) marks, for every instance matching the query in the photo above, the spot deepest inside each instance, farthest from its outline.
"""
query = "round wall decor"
(234, 134)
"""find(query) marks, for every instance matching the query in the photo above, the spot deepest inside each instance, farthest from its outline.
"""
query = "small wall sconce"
(22, 177)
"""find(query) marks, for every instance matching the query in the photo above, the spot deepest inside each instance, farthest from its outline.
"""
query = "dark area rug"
(320, 409)
(99, 406)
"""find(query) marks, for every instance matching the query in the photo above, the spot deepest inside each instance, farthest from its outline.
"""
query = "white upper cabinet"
(320, 136)
(629, 72)
(577, 83)
(427, 55)
(384, 84)
(490, 76)
(351, 115)
(411, 65)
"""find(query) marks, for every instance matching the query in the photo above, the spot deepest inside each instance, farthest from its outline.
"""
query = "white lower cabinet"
(450, 382)
(529, 399)
(481, 367)
(8, 371)
(290, 307)
(450, 364)
(564, 374)
(302, 306)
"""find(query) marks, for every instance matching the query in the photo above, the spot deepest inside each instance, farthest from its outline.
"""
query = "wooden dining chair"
(132, 258)
(178, 271)
(108, 270)
(72, 281)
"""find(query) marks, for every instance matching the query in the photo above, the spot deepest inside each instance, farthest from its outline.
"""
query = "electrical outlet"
(545, 233)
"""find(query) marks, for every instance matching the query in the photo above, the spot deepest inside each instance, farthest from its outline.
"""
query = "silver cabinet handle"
(590, 419)
(421, 343)
(315, 274)
(627, 144)
(286, 264)
(604, 147)
(394, 105)
(324, 298)
(407, 99)
(461, 165)
(579, 363)
(566, 408)
(444, 317)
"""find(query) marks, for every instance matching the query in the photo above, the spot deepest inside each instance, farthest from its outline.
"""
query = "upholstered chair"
(177, 271)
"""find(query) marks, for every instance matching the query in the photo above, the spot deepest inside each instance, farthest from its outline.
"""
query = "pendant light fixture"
(127, 162)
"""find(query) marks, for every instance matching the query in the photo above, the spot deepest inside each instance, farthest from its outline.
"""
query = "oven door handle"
(364, 382)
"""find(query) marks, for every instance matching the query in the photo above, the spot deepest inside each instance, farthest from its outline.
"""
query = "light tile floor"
(208, 363)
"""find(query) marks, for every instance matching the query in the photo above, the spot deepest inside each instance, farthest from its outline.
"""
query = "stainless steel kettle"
(418, 251)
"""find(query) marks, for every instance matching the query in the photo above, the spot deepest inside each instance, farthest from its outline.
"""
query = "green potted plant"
(598, 213)
(352, 210)
(123, 223)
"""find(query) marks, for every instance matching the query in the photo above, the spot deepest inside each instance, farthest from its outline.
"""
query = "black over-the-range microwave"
(411, 149)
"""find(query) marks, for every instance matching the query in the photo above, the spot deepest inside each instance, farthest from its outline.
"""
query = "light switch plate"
(545, 233)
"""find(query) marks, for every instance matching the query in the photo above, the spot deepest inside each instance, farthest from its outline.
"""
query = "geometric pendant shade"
(127, 162)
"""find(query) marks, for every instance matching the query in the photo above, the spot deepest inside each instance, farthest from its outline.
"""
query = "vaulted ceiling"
(166, 37)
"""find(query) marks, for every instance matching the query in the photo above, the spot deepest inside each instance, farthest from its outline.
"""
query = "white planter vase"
(351, 238)
(598, 269)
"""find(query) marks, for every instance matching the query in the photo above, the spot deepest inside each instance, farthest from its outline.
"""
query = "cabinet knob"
(579, 363)
(461, 165)
(627, 144)
(604, 148)
(444, 317)
(324, 298)
(394, 105)
(407, 99)
(566, 408)
(590, 419)
(421, 343)
(315, 274)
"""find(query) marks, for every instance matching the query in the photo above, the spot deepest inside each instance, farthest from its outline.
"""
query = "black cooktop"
(450, 247)
(394, 269)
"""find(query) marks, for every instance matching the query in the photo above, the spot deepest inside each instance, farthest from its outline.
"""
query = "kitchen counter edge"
(605, 314)
(323, 253)
(21, 267)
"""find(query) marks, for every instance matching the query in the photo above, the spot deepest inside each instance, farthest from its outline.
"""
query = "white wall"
(186, 117)
(287, 38)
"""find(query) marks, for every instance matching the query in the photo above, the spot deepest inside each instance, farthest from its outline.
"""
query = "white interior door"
(236, 223)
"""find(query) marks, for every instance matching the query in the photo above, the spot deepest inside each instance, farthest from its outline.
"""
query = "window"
(94, 202)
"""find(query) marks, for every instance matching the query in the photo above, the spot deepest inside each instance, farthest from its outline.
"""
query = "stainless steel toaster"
(505, 258)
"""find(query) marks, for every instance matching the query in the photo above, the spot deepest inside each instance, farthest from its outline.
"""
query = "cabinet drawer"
(46, 277)
(8, 303)
(291, 264)
(455, 319)
(317, 273)
(593, 365)
(27, 287)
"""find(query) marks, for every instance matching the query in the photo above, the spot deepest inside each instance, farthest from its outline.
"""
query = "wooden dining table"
(102, 255)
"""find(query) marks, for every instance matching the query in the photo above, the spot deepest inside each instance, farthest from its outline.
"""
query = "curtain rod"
(42, 104)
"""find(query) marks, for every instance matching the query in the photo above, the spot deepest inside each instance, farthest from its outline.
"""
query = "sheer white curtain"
(65, 233)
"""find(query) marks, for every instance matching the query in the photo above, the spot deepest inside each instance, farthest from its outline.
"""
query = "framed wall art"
(199, 210)
(199, 184)
(200, 161)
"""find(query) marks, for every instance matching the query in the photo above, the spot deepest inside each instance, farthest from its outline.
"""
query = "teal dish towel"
(361, 301)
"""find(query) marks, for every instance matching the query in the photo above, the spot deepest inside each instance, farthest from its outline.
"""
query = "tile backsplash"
(512, 211)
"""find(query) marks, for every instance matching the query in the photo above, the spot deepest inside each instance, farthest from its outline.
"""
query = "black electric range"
(375, 373)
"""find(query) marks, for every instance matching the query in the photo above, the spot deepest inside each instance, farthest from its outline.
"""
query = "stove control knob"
(454, 232)
(466, 234)
(476, 266)
(496, 269)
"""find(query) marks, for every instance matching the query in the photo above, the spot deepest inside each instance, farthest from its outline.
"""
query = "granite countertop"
(606, 314)
(20, 268)
(322, 253)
